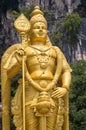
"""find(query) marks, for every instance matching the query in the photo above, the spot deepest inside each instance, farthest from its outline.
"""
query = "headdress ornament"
(37, 16)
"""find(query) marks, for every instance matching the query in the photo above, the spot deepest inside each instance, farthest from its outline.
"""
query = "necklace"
(43, 56)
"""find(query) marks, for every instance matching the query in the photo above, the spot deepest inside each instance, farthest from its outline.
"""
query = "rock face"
(81, 47)
(8, 35)
(54, 10)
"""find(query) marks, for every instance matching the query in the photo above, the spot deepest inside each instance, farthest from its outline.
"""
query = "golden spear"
(23, 26)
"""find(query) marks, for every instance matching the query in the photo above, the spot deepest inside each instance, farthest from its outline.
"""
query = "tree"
(78, 96)
(66, 33)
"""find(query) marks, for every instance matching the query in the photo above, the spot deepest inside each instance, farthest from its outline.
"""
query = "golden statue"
(41, 99)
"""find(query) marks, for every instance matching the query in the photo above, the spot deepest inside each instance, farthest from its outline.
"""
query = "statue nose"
(40, 29)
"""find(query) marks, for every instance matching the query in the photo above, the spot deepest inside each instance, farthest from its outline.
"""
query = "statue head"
(38, 26)
(37, 16)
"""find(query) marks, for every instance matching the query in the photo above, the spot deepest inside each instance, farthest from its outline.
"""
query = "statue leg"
(31, 120)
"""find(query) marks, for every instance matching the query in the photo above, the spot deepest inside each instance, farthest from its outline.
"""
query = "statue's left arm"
(66, 74)
(65, 77)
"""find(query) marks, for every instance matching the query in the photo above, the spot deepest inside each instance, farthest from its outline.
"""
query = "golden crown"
(37, 16)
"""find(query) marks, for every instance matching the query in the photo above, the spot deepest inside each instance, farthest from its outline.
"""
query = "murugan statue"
(41, 99)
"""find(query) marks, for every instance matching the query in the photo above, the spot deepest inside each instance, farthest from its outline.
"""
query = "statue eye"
(36, 27)
(44, 27)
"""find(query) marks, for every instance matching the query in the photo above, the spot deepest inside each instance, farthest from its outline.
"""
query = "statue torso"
(41, 61)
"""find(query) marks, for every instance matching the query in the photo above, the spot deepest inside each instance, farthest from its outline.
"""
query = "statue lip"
(41, 32)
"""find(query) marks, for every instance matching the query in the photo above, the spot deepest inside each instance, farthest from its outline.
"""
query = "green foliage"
(25, 11)
(57, 34)
(49, 15)
(72, 24)
(13, 5)
(78, 96)
(67, 29)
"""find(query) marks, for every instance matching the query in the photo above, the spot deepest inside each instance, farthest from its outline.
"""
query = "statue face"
(39, 32)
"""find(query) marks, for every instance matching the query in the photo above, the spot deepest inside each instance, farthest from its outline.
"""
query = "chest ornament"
(44, 55)
(43, 60)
